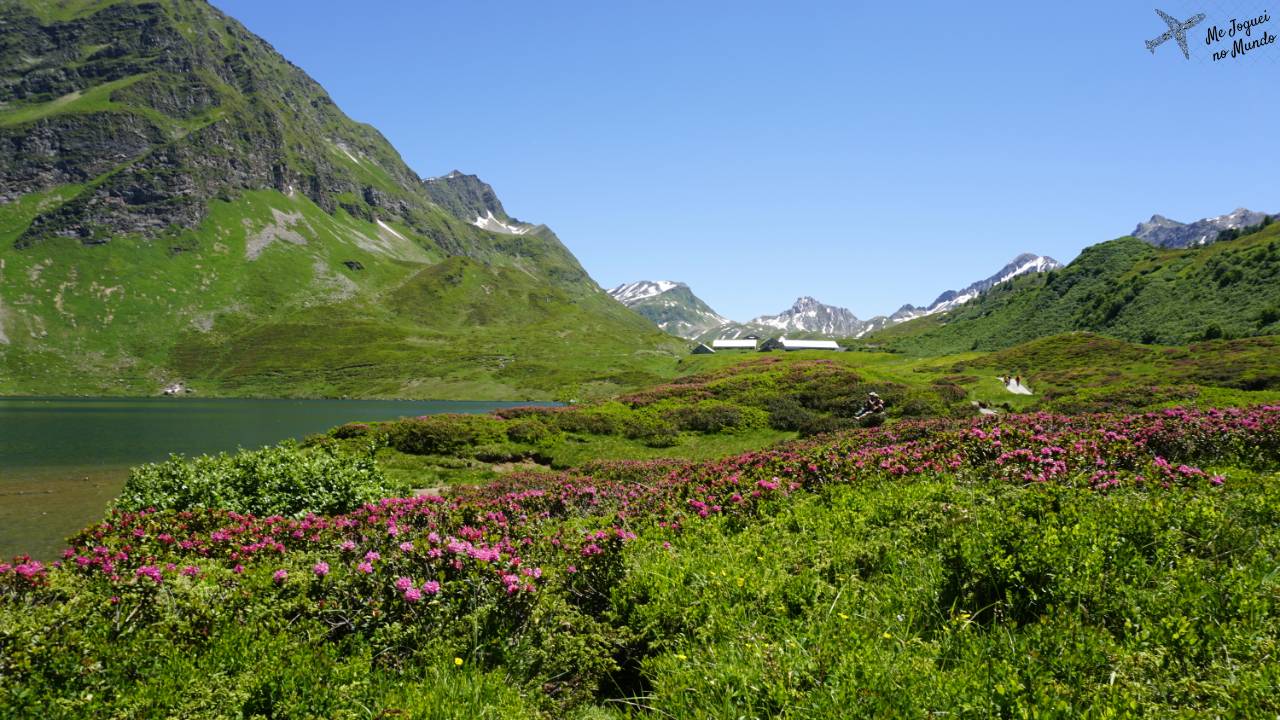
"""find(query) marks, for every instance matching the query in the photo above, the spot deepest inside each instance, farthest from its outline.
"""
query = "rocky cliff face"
(158, 108)
(471, 199)
(1163, 232)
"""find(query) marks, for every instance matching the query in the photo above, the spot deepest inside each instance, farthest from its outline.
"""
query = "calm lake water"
(63, 459)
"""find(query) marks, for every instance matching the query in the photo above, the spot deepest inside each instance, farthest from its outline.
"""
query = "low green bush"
(282, 480)
(444, 434)
(651, 429)
(603, 419)
(530, 431)
(712, 416)
(350, 430)
(786, 413)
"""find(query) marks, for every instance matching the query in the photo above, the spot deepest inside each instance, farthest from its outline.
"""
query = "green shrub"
(786, 413)
(350, 430)
(500, 453)
(281, 480)
(529, 431)
(605, 419)
(949, 392)
(445, 434)
(821, 424)
(714, 416)
(651, 429)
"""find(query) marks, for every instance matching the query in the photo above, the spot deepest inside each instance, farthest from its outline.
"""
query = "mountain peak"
(469, 198)
(809, 316)
(669, 304)
(806, 303)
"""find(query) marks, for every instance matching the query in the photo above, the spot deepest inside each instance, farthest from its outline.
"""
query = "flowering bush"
(524, 573)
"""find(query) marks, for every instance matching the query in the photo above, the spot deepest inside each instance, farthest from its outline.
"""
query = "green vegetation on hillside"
(260, 300)
(1125, 289)
(272, 481)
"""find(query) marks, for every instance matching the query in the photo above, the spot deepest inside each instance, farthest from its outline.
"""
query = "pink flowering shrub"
(494, 562)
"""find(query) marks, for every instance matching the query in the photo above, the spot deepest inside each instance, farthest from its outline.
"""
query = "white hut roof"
(809, 344)
(733, 343)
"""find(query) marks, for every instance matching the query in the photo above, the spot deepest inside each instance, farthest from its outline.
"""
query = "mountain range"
(676, 310)
(808, 317)
(179, 202)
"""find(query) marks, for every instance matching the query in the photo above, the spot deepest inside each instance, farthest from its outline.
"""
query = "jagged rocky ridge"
(1163, 232)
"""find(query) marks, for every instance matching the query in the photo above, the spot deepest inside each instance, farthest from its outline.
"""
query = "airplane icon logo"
(1177, 30)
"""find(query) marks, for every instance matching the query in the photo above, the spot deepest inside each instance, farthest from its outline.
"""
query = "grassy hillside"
(1125, 289)
(270, 295)
(181, 203)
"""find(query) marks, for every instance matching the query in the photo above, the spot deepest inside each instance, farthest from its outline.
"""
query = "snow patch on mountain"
(1021, 265)
(493, 224)
(630, 293)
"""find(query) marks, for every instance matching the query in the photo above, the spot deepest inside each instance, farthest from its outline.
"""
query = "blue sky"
(862, 153)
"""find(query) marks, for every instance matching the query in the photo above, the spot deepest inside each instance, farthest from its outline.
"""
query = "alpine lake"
(63, 460)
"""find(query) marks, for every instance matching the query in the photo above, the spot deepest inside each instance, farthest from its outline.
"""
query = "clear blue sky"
(868, 154)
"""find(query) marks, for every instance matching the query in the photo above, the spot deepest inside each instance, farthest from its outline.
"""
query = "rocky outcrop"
(1163, 232)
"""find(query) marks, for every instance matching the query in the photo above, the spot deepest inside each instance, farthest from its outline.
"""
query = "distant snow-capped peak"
(807, 315)
(1021, 265)
(671, 306)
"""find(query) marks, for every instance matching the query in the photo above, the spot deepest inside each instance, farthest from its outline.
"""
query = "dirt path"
(1016, 387)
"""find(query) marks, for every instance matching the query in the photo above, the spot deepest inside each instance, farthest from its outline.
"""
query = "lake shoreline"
(64, 458)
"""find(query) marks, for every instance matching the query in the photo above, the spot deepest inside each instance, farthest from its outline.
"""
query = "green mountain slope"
(1125, 289)
(178, 202)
